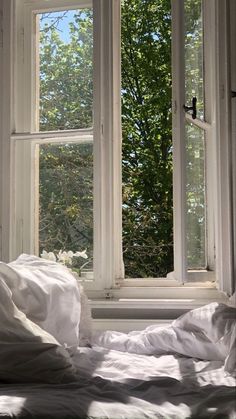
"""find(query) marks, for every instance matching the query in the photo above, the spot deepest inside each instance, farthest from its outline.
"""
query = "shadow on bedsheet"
(53, 401)
(203, 402)
(210, 401)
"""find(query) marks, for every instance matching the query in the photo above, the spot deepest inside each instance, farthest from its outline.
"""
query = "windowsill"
(145, 301)
(153, 307)
(158, 292)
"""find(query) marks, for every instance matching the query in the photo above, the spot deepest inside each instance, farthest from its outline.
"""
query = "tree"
(66, 102)
(147, 140)
(66, 96)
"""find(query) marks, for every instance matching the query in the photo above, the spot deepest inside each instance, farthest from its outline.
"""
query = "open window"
(66, 142)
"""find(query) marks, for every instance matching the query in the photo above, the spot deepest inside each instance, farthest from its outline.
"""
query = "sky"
(62, 24)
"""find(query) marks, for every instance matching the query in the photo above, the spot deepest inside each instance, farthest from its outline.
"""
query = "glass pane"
(147, 138)
(196, 203)
(194, 83)
(66, 200)
(65, 70)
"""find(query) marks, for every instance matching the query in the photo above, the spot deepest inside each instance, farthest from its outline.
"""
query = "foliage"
(66, 74)
(147, 141)
(66, 171)
(66, 197)
(66, 95)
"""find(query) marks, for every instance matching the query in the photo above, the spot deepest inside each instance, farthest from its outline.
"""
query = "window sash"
(180, 118)
(224, 149)
(106, 133)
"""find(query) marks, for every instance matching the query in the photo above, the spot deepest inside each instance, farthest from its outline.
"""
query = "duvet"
(184, 370)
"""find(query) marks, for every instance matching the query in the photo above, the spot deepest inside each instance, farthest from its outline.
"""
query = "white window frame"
(232, 12)
(18, 142)
(106, 135)
(180, 118)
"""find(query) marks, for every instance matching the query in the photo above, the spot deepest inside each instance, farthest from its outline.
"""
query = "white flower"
(82, 254)
(65, 257)
(48, 256)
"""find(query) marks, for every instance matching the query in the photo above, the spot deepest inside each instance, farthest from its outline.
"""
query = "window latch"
(192, 108)
(233, 93)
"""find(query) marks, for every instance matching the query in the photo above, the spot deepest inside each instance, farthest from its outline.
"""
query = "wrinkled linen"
(230, 362)
(27, 352)
(156, 373)
(119, 385)
(47, 293)
(206, 333)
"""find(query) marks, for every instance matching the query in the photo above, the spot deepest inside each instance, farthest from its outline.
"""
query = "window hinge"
(1, 241)
(108, 295)
(102, 130)
(222, 91)
(1, 31)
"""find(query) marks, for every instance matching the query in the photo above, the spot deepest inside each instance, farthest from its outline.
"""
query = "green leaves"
(66, 102)
(66, 79)
(147, 139)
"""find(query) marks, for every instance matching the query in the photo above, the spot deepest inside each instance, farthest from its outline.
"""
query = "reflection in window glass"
(194, 83)
(196, 203)
(65, 70)
(66, 199)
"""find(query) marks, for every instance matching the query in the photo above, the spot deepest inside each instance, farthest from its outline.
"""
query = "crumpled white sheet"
(203, 333)
(119, 385)
(47, 293)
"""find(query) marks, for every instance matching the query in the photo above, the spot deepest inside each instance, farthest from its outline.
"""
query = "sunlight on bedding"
(11, 404)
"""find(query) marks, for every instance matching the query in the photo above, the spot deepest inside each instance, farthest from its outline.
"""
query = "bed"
(184, 370)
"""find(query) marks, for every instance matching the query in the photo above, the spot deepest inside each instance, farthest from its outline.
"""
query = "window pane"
(66, 199)
(65, 70)
(147, 138)
(196, 203)
(194, 83)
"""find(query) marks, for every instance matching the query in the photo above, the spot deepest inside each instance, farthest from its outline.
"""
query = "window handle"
(192, 108)
(233, 93)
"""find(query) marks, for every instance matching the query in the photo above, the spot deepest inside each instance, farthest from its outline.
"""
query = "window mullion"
(233, 113)
(210, 168)
(6, 126)
(224, 231)
(107, 143)
(179, 158)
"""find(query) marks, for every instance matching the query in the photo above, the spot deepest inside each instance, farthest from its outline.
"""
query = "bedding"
(205, 333)
(27, 352)
(120, 385)
(47, 293)
(184, 370)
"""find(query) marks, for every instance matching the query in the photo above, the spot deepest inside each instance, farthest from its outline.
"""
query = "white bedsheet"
(118, 385)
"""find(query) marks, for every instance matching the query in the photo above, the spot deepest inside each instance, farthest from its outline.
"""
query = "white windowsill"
(125, 314)
(126, 325)
(176, 292)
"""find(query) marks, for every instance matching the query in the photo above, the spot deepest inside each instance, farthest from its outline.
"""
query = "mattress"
(120, 385)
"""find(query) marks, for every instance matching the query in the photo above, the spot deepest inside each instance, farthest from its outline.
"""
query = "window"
(64, 77)
(194, 63)
(40, 134)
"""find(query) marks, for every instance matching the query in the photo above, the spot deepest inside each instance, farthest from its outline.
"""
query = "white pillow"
(47, 293)
(28, 353)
